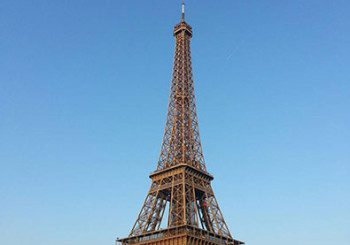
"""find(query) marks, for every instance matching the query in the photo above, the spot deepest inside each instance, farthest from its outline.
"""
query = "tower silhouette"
(181, 196)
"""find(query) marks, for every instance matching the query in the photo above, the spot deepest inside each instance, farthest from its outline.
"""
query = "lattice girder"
(190, 199)
(181, 141)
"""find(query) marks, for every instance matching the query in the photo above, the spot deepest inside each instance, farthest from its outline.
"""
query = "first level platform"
(182, 235)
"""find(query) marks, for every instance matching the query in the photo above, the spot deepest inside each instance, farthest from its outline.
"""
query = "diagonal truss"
(190, 198)
(181, 142)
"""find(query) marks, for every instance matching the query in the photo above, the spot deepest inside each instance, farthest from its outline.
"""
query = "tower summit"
(180, 207)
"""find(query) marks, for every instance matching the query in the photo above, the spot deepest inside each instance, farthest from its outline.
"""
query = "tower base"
(181, 235)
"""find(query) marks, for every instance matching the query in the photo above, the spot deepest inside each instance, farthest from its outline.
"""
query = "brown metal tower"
(180, 186)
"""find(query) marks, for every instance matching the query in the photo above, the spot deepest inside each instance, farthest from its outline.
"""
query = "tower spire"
(183, 12)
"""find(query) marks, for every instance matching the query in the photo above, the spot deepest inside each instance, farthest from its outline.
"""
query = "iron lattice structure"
(181, 196)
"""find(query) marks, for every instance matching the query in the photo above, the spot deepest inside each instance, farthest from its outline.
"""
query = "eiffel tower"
(181, 186)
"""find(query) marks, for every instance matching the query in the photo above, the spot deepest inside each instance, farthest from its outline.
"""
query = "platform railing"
(176, 231)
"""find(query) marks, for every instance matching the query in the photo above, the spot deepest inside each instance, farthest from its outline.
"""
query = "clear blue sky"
(84, 88)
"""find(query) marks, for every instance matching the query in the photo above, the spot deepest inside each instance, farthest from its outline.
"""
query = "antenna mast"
(183, 11)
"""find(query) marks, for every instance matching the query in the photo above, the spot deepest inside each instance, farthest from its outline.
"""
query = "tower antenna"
(183, 11)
